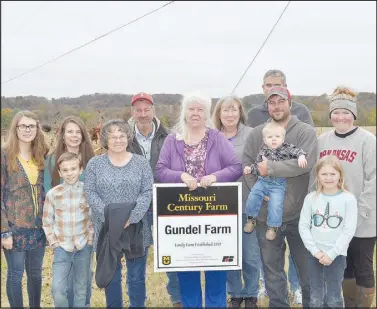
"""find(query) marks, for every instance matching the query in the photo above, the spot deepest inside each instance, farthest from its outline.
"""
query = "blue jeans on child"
(89, 289)
(326, 283)
(135, 283)
(274, 188)
(251, 265)
(17, 262)
(65, 262)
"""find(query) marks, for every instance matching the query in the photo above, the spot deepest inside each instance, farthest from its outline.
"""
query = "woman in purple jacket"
(196, 154)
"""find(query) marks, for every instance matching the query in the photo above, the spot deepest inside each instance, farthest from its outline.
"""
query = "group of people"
(316, 194)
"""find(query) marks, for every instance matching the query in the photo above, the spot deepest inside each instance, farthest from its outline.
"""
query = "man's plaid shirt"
(285, 152)
(67, 218)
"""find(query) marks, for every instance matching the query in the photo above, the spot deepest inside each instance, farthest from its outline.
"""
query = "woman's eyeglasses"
(24, 127)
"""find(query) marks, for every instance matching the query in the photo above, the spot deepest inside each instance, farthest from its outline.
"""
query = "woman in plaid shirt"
(22, 195)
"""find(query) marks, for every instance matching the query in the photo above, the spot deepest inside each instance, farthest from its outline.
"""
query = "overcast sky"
(186, 46)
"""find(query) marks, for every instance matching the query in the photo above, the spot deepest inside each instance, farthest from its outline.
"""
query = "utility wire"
(272, 30)
(87, 43)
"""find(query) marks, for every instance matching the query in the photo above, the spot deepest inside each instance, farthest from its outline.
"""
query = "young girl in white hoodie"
(327, 224)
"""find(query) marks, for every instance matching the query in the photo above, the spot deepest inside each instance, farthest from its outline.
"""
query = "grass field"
(157, 295)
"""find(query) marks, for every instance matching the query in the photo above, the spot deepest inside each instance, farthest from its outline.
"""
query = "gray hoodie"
(357, 154)
(239, 142)
(301, 135)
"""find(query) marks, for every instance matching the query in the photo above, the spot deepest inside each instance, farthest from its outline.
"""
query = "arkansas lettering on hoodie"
(301, 135)
(356, 151)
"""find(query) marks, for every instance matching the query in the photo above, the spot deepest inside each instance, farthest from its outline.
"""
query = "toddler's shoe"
(250, 225)
(271, 233)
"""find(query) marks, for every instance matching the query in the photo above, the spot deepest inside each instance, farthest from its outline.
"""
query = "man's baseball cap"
(142, 96)
(278, 90)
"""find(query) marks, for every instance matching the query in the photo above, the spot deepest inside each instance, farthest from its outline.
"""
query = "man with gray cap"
(274, 149)
(258, 115)
(273, 251)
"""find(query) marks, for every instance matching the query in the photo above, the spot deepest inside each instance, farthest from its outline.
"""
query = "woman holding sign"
(196, 154)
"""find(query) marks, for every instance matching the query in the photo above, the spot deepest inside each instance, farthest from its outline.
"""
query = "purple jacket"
(221, 159)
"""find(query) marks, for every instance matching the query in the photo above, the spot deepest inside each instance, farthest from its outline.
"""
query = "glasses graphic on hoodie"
(331, 221)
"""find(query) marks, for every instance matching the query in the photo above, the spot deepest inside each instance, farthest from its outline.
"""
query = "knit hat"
(280, 91)
(343, 98)
(142, 96)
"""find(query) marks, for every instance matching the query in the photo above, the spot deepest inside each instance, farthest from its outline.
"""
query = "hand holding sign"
(189, 181)
(207, 181)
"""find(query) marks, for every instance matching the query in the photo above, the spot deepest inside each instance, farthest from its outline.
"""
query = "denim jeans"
(326, 282)
(191, 290)
(89, 290)
(274, 188)
(273, 259)
(173, 287)
(17, 262)
(136, 289)
(76, 262)
(294, 283)
(251, 265)
(150, 219)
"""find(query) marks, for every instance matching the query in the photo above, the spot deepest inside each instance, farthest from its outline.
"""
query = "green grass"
(157, 295)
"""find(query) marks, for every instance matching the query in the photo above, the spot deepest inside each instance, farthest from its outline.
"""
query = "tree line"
(92, 108)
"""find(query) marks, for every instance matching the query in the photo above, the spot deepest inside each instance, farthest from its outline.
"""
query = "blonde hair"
(343, 93)
(39, 147)
(335, 163)
(272, 126)
(227, 100)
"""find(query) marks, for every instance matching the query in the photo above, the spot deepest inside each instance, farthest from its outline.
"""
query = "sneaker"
(251, 302)
(235, 302)
(297, 297)
(250, 225)
(271, 233)
(262, 292)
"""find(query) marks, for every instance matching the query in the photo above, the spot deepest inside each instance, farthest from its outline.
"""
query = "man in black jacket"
(149, 136)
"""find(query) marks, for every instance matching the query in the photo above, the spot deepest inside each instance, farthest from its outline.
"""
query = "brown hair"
(335, 163)
(227, 100)
(68, 156)
(39, 147)
(85, 149)
(118, 125)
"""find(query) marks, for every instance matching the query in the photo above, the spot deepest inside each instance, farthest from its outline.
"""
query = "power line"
(272, 30)
(87, 43)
